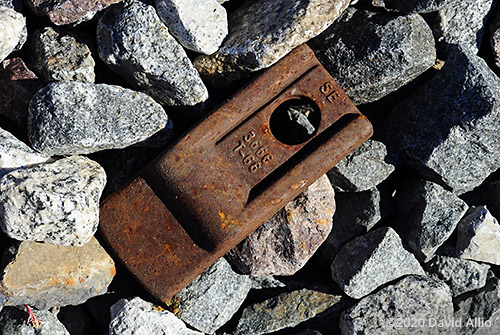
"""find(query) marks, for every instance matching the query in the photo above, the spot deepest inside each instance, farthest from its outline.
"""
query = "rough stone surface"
(415, 6)
(57, 276)
(57, 203)
(58, 56)
(12, 30)
(459, 274)
(373, 54)
(68, 118)
(263, 32)
(199, 26)
(428, 214)
(479, 236)
(13, 322)
(284, 243)
(134, 42)
(479, 311)
(371, 260)
(283, 311)
(18, 85)
(451, 136)
(69, 11)
(412, 298)
(138, 317)
(213, 297)
(15, 154)
(363, 169)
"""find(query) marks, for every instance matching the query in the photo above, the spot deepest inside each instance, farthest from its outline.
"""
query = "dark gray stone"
(453, 135)
(283, 311)
(13, 322)
(134, 42)
(363, 169)
(371, 260)
(415, 6)
(77, 118)
(373, 54)
(413, 298)
(461, 275)
(427, 215)
(213, 297)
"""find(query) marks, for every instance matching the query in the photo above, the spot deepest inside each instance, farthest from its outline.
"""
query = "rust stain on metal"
(227, 176)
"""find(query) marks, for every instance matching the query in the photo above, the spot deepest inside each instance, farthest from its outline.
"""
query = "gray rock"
(372, 260)
(45, 275)
(417, 299)
(479, 236)
(15, 154)
(415, 6)
(134, 42)
(262, 32)
(57, 203)
(13, 321)
(363, 169)
(479, 312)
(461, 275)
(213, 297)
(58, 56)
(283, 311)
(356, 214)
(451, 136)
(373, 54)
(284, 243)
(428, 214)
(68, 118)
(199, 26)
(138, 317)
(12, 30)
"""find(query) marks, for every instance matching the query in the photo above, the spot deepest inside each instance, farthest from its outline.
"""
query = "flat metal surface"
(227, 176)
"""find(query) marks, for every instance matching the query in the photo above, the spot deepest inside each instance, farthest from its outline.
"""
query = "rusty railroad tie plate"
(227, 176)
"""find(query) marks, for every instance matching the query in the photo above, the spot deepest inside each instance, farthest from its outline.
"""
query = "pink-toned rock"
(69, 11)
(284, 243)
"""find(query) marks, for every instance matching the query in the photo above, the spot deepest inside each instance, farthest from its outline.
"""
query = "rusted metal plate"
(227, 175)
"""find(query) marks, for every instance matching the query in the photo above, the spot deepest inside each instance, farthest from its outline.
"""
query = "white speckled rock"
(139, 317)
(12, 30)
(14, 154)
(56, 203)
(197, 25)
(479, 236)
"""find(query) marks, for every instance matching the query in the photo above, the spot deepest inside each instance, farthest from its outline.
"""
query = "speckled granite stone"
(67, 118)
(134, 42)
(12, 30)
(57, 203)
(13, 322)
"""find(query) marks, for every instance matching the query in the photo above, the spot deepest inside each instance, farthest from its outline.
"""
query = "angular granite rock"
(479, 236)
(428, 214)
(45, 275)
(262, 32)
(459, 274)
(363, 169)
(15, 154)
(56, 203)
(371, 260)
(415, 6)
(18, 85)
(134, 42)
(12, 30)
(58, 56)
(213, 297)
(284, 243)
(283, 311)
(13, 321)
(413, 298)
(453, 135)
(479, 311)
(69, 11)
(372, 54)
(136, 316)
(67, 118)
(198, 25)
